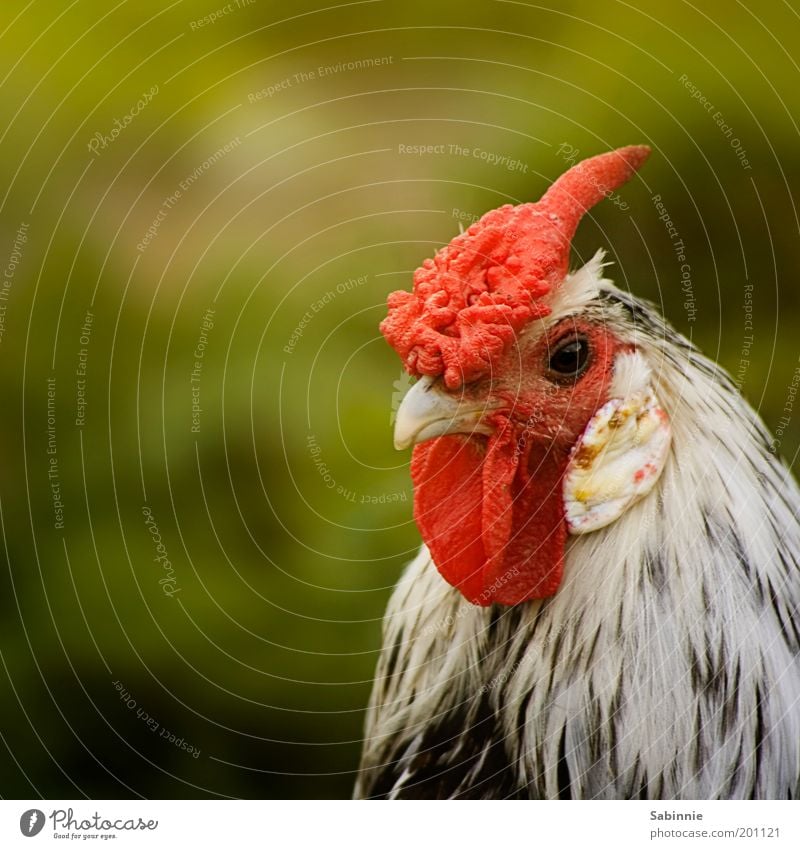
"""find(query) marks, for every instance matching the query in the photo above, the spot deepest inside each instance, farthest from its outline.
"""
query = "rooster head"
(531, 417)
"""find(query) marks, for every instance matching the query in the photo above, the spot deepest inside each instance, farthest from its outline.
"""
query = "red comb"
(471, 299)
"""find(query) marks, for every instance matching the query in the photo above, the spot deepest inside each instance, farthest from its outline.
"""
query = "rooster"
(606, 603)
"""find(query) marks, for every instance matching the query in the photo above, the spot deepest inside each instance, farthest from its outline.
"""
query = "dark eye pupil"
(570, 357)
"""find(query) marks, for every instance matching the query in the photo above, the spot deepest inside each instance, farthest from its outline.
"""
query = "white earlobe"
(621, 453)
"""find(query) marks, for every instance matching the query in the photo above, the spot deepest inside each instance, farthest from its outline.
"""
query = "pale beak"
(428, 411)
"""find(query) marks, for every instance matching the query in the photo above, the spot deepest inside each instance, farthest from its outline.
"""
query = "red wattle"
(448, 491)
(491, 514)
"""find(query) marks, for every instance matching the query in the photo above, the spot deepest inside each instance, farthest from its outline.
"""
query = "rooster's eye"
(569, 357)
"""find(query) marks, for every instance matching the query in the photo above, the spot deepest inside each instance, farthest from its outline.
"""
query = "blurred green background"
(161, 161)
